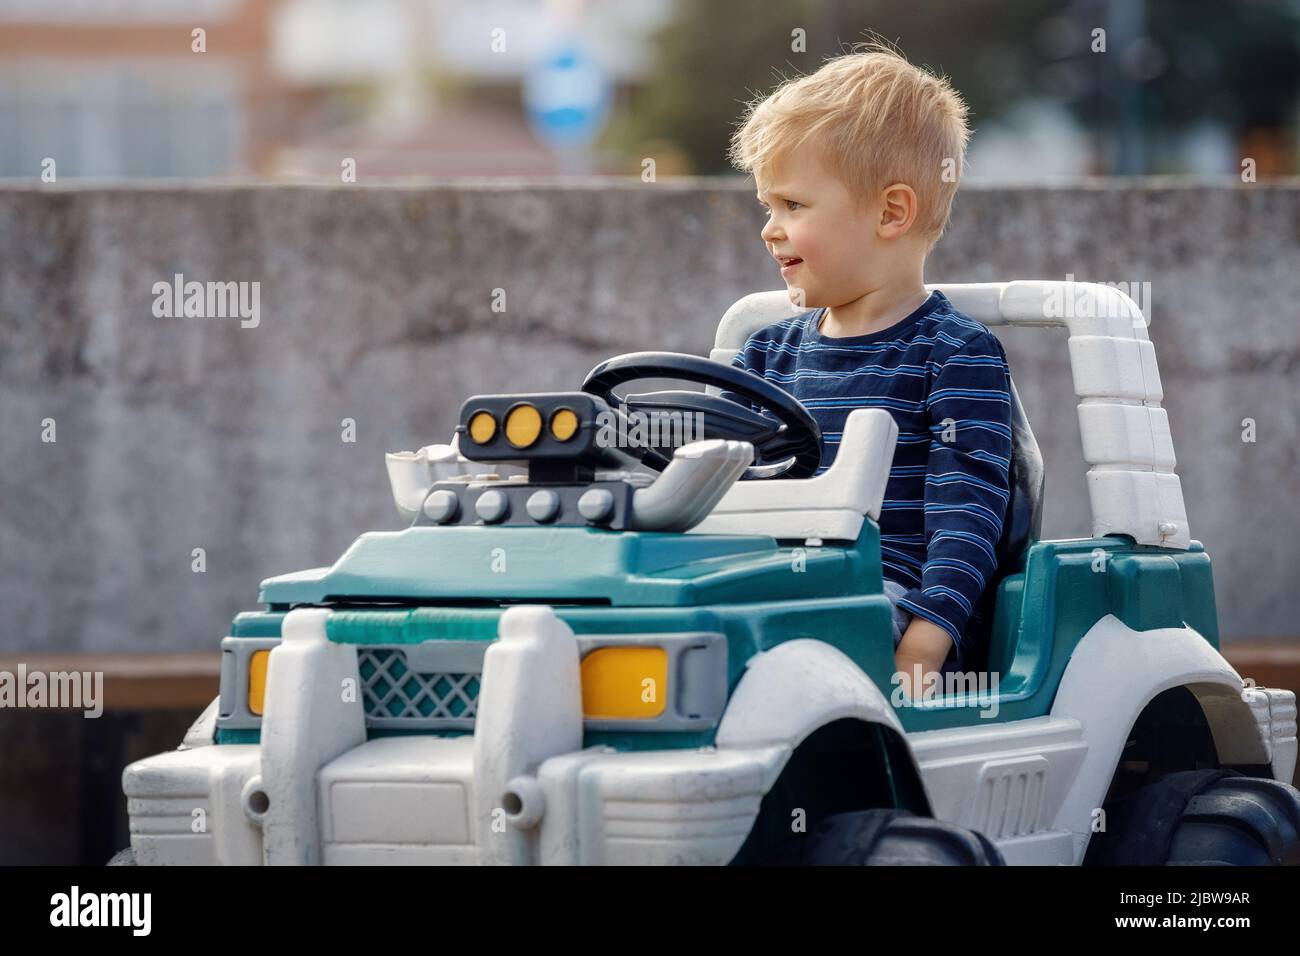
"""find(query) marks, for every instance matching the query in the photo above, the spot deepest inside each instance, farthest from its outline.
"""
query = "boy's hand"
(924, 643)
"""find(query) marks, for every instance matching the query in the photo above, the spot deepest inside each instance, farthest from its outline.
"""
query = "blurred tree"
(1168, 64)
(717, 55)
(1233, 60)
(1173, 64)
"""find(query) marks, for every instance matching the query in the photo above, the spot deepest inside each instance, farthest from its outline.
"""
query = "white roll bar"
(1132, 486)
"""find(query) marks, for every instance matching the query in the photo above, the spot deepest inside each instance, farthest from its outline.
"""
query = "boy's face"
(827, 245)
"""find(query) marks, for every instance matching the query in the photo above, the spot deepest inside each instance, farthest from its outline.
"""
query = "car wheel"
(888, 838)
(1202, 818)
(123, 858)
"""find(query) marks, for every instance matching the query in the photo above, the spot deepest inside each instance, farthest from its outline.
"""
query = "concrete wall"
(175, 434)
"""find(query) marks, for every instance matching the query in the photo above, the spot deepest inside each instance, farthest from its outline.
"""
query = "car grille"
(395, 696)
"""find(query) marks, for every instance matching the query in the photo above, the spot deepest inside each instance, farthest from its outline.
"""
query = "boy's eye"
(791, 204)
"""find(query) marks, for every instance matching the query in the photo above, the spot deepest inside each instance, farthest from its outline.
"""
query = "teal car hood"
(578, 565)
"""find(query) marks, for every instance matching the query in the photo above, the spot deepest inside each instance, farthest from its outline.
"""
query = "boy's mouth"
(788, 263)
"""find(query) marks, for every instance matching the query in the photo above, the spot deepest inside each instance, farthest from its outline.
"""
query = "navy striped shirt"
(945, 379)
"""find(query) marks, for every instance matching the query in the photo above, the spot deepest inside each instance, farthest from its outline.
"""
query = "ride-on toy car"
(592, 645)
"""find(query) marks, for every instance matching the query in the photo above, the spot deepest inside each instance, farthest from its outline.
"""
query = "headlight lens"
(482, 426)
(622, 683)
(564, 424)
(257, 681)
(523, 425)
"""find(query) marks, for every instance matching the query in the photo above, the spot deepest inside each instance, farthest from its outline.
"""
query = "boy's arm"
(966, 487)
(925, 646)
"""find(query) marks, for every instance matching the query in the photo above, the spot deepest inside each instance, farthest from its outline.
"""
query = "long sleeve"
(751, 359)
(966, 485)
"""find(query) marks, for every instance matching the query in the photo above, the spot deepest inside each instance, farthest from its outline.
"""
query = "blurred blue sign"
(567, 97)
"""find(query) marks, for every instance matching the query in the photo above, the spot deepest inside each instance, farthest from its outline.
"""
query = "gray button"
(492, 506)
(543, 505)
(596, 504)
(441, 506)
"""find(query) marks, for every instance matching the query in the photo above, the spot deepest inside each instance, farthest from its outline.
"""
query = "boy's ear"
(898, 208)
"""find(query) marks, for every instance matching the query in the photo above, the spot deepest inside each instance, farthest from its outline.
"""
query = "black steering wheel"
(789, 445)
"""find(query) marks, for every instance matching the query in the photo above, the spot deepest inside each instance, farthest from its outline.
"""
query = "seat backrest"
(1021, 526)
(1024, 519)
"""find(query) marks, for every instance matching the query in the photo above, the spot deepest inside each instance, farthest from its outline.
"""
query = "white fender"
(792, 690)
(1113, 674)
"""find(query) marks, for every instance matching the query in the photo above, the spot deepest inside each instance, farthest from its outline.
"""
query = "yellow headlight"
(523, 425)
(620, 683)
(257, 662)
(482, 426)
(564, 424)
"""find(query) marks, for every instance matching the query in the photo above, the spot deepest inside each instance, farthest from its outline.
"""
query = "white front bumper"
(334, 797)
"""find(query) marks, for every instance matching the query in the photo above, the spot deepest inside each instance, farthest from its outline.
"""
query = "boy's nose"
(772, 232)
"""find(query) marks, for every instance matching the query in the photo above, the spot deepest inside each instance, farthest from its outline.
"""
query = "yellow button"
(523, 425)
(482, 426)
(564, 424)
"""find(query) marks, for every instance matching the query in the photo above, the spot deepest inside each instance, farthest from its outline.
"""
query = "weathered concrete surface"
(376, 305)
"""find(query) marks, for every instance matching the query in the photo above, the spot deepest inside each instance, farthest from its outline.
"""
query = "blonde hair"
(879, 120)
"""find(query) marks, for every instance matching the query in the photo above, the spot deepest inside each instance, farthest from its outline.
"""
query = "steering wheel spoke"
(787, 442)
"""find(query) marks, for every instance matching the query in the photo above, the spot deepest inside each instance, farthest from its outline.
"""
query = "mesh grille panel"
(394, 695)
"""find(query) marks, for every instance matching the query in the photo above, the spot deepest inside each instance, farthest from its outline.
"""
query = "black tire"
(888, 838)
(1202, 818)
(123, 858)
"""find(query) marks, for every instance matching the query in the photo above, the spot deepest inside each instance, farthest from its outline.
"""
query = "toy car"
(592, 646)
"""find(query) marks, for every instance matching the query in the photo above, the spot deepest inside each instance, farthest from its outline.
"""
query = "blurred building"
(290, 88)
(115, 89)
(432, 87)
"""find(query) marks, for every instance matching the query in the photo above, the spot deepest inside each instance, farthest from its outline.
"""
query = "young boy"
(857, 166)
